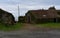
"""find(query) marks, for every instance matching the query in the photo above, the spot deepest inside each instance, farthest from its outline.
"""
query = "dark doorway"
(58, 19)
(55, 20)
(28, 18)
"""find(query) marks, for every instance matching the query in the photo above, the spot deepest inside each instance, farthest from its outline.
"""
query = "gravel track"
(30, 34)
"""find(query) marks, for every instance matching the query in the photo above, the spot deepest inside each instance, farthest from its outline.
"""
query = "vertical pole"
(18, 12)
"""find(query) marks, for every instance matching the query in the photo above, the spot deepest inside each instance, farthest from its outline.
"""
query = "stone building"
(39, 16)
(6, 17)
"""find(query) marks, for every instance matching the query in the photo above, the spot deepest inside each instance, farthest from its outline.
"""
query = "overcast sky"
(25, 5)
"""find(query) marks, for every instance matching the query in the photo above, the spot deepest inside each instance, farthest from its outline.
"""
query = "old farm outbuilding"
(43, 16)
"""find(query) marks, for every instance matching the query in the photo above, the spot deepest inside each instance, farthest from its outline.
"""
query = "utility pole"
(18, 11)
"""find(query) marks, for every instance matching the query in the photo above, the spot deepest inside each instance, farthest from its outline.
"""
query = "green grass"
(49, 25)
(18, 26)
(11, 28)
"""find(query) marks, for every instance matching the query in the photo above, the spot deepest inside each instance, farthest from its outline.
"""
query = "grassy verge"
(13, 27)
(49, 25)
(18, 26)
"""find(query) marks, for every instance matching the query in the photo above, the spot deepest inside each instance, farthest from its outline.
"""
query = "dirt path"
(34, 27)
(29, 27)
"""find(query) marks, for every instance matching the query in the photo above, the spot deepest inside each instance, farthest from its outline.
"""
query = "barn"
(42, 15)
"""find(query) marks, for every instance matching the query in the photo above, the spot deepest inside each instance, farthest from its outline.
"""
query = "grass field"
(13, 27)
(49, 25)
